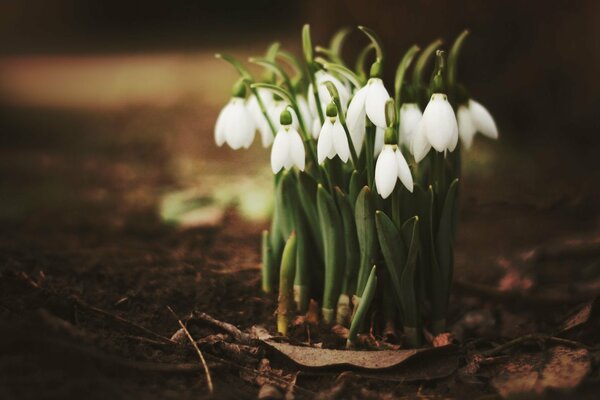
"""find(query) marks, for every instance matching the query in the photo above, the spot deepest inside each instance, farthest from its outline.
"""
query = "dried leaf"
(582, 316)
(373, 360)
(559, 368)
(443, 339)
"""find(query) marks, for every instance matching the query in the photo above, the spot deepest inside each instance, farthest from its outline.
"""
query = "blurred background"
(108, 106)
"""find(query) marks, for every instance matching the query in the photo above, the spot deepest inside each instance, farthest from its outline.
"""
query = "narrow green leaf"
(374, 39)
(445, 235)
(423, 60)
(286, 202)
(364, 213)
(408, 282)
(360, 62)
(363, 308)
(393, 250)
(267, 265)
(453, 58)
(307, 46)
(356, 184)
(351, 242)
(333, 240)
(307, 190)
(337, 41)
(236, 64)
(286, 281)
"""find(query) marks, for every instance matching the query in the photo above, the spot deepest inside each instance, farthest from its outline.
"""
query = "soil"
(88, 270)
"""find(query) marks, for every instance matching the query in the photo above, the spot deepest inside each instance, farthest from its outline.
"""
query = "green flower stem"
(399, 81)
(362, 309)
(286, 281)
(263, 110)
(315, 92)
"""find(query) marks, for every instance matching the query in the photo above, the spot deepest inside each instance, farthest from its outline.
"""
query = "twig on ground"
(533, 337)
(119, 319)
(191, 339)
(237, 334)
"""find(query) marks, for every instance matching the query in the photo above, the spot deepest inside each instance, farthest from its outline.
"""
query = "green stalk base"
(343, 310)
(301, 298)
(328, 315)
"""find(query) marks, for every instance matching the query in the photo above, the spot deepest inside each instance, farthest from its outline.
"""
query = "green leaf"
(360, 62)
(409, 286)
(338, 40)
(356, 184)
(445, 236)
(400, 72)
(363, 307)
(284, 94)
(286, 281)
(333, 240)
(351, 242)
(267, 264)
(236, 64)
(307, 190)
(307, 46)
(364, 213)
(286, 203)
(274, 67)
(349, 75)
(423, 60)
(374, 38)
(393, 250)
(453, 58)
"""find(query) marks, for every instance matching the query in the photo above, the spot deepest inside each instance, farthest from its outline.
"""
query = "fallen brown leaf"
(558, 368)
(311, 357)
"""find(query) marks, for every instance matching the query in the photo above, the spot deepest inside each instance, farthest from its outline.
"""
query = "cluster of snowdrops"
(366, 184)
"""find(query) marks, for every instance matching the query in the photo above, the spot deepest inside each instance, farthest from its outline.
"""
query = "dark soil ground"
(88, 270)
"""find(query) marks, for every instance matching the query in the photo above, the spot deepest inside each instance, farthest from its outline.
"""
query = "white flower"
(474, 118)
(287, 150)
(379, 141)
(324, 97)
(235, 125)
(259, 119)
(410, 115)
(368, 101)
(332, 141)
(304, 109)
(390, 167)
(315, 128)
(437, 128)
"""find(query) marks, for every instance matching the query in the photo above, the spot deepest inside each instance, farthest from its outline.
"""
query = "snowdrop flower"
(410, 115)
(315, 128)
(473, 118)
(288, 148)
(260, 121)
(390, 167)
(324, 97)
(235, 125)
(332, 138)
(368, 101)
(437, 128)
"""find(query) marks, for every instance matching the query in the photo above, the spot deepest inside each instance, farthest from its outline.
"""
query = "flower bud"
(285, 118)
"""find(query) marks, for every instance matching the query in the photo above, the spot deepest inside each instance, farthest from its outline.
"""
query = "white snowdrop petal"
(340, 142)
(379, 141)
(316, 128)
(483, 120)
(237, 126)
(410, 115)
(357, 134)
(377, 95)
(304, 110)
(279, 151)
(296, 149)
(453, 138)
(420, 145)
(404, 171)
(249, 129)
(220, 126)
(439, 122)
(466, 128)
(356, 109)
(325, 143)
(386, 172)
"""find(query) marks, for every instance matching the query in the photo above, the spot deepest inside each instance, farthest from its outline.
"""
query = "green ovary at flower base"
(362, 178)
